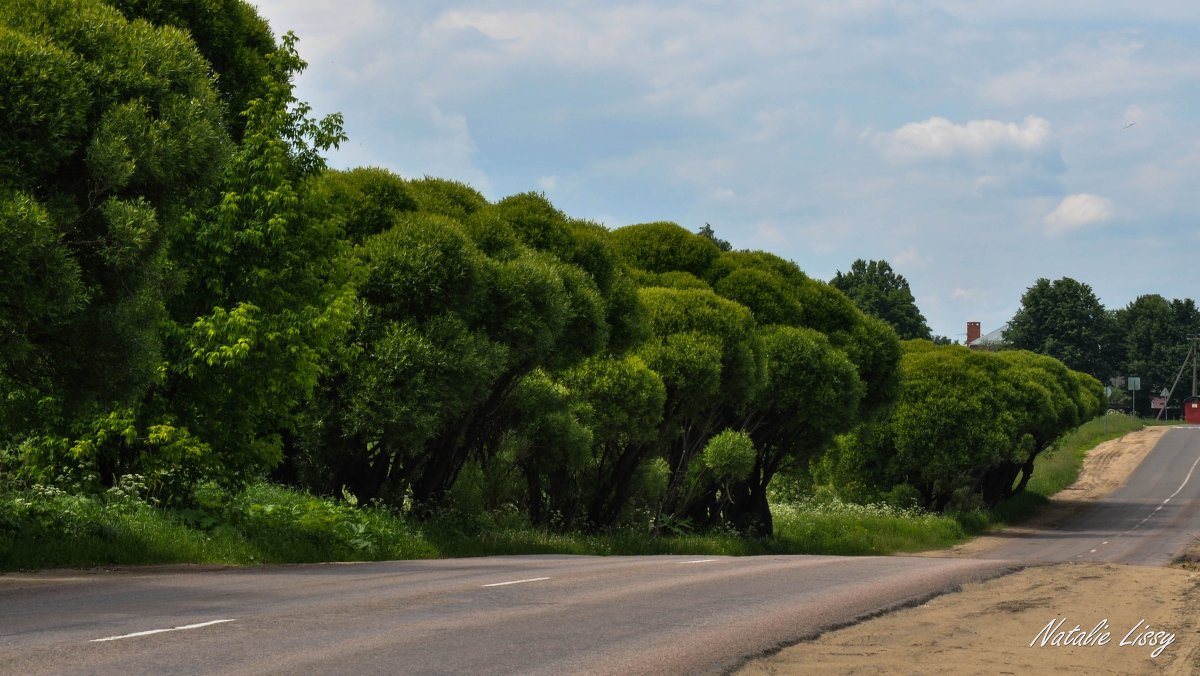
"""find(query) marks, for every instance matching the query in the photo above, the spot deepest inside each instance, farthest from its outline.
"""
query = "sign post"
(1107, 398)
(1135, 384)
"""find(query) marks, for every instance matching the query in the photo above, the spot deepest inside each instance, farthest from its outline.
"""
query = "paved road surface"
(531, 615)
(555, 615)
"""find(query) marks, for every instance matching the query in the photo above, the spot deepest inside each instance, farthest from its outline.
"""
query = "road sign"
(1135, 382)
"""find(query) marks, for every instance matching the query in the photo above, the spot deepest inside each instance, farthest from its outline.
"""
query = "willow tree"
(828, 367)
(113, 135)
(967, 426)
(819, 365)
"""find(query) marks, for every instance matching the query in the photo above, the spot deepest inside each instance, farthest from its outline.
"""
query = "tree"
(965, 429)
(709, 356)
(112, 135)
(1154, 333)
(707, 231)
(229, 34)
(468, 315)
(828, 366)
(819, 366)
(880, 292)
(582, 439)
(665, 247)
(1065, 320)
(812, 393)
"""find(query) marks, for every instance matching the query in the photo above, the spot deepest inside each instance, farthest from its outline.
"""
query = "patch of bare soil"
(998, 627)
(1023, 623)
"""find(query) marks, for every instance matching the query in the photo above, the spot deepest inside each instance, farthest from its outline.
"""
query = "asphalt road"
(500, 615)
(535, 614)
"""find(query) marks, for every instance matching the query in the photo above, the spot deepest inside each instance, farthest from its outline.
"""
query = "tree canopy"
(113, 132)
(880, 292)
(1154, 339)
(965, 428)
(1065, 320)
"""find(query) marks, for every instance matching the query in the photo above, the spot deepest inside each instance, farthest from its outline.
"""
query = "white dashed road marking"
(159, 631)
(1158, 509)
(504, 584)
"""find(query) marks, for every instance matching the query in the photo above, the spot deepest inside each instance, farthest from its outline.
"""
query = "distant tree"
(707, 231)
(877, 290)
(1154, 340)
(1065, 320)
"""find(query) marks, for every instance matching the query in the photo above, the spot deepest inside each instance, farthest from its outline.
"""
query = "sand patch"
(987, 628)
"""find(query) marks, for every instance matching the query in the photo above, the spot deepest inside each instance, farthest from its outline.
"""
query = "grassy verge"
(265, 523)
(47, 528)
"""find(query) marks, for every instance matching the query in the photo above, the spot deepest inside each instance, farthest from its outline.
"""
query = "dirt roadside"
(989, 627)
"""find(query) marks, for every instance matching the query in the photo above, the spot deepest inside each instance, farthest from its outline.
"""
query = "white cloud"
(964, 294)
(1078, 211)
(1106, 67)
(910, 258)
(547, 183)
(940, 139)
(721, 194)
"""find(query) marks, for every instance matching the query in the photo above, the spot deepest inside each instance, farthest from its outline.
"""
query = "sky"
(976, 146)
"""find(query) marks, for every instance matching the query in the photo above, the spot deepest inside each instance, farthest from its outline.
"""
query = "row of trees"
(1147, 338)
(965, 429)
(195, 297)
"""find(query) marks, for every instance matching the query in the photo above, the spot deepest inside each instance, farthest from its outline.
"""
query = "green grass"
(44, 527)
(266, 523)
(835, 527)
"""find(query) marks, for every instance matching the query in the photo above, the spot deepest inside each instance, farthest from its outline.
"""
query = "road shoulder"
(989, 627)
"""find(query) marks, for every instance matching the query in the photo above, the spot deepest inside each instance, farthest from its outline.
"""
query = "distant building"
(988, 343)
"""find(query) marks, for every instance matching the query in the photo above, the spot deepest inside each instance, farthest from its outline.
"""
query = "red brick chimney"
(973, 332)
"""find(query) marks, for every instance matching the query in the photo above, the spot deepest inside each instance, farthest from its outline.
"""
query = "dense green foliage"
(197, 301)
(1147, 338)
(965, 429)
(1154, 335)
(113, 131)
(46, 527)
(1065, 320)
(880, 292)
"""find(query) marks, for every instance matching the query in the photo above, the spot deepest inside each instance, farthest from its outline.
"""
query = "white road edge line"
(699, 561)
(160, 631)
(504, 584)
(1185, 479)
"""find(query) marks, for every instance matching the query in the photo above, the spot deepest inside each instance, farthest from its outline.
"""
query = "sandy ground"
(998, 627)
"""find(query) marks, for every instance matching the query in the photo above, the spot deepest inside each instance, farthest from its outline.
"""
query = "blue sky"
(975, 145)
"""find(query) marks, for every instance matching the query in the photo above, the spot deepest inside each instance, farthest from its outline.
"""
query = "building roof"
(991, 339)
